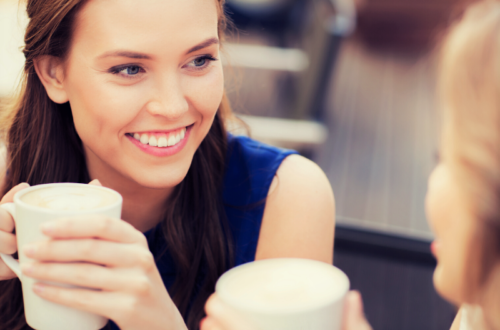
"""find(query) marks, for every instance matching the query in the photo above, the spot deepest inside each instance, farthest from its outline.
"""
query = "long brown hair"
(44, 147)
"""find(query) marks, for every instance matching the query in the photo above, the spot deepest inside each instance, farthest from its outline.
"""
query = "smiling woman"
(131, 93)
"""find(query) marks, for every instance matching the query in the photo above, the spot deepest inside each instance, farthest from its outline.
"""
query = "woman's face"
(450, 217)
(144, 82)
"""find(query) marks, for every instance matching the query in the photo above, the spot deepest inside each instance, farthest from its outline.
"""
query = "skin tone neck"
(490, 301)
(143, 207)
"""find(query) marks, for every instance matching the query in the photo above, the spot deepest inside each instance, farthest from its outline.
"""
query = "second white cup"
(286, 294)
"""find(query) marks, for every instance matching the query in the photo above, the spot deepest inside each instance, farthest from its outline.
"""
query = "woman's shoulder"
(286, 193)
(300, 208)
(470, 317)
(250, 168)
(253, 152)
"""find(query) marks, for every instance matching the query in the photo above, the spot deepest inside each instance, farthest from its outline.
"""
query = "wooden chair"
(330, 21)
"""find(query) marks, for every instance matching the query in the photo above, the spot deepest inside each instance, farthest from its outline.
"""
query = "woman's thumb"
(95, 182)
(354, 316)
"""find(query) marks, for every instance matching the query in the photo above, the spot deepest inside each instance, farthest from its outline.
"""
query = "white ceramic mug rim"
(255, 308)
(19, 194)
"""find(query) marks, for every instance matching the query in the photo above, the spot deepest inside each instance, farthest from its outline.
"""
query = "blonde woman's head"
(463, 200)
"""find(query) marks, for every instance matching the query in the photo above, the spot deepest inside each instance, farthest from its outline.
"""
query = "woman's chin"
(445, 286)
(155, 182)
(159, 177)
(155, 178)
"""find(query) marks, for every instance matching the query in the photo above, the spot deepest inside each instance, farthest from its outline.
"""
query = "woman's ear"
(50, 71)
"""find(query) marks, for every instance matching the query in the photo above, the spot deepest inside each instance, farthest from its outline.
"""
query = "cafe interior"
(349, 84)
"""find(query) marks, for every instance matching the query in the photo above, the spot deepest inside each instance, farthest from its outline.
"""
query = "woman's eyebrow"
(135, 55)
(203, 44)
(124, 53)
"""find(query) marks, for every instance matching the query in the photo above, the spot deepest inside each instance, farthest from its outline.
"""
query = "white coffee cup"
(38, 204)
(286, 294)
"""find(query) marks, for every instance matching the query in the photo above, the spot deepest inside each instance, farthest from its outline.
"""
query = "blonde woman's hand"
(8, 244)
(95, 182)
(354, 316)
(222, 317)
(110, 258)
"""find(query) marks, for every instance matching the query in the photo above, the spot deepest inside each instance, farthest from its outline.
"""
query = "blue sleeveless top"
(250, 169)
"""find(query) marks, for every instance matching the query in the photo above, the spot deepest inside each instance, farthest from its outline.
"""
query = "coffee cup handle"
(9, 260)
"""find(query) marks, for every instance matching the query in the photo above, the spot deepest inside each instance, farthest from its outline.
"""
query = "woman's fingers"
(113, 305)
(5, 272)
(79, 274)
(209, 323)
(93, 226)
(89, 276)
(6, 221)
(96, 302)
(9, 196)
(110, 254)
(8, 243)
(95, 182)
(354, 317)
(223, 316)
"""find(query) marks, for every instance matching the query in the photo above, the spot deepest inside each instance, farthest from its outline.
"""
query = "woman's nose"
(169, 102)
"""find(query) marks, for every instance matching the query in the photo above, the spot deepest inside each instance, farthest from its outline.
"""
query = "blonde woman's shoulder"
(469, 317)
(457, 323)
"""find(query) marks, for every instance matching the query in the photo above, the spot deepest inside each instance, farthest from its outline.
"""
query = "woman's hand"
(112, 261)
(222, 317)
(8, 244)
(354, 316)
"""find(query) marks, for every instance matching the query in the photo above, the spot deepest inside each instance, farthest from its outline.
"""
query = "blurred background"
(350, 85)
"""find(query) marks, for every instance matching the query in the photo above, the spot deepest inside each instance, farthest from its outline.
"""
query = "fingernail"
(30, 250)
(95, 182)
(203, 320)
(38, 288)
(216, 307)
(23, 184)
(27, 268)
(48, 228)
(208, 323)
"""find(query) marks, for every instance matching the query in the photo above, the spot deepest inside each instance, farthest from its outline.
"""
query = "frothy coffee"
(69, 198)
(283, 285)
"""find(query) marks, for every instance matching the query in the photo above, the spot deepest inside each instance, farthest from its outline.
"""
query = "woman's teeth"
(161, 140)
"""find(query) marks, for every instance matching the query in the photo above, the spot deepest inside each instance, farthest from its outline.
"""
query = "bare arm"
(299, 218)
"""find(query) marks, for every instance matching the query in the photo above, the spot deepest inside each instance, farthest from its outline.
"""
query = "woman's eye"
(131, 70)
(127, 71)
(201, 62)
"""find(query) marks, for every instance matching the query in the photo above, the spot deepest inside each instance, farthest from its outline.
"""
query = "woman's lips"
(435, 248)
(161, 139)
(161, 144)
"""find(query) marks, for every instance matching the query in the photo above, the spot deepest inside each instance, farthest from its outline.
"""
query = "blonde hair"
(470, 91)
